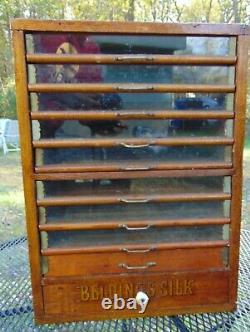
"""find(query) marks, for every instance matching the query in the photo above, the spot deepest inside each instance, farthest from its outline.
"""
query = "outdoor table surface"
(16, 312)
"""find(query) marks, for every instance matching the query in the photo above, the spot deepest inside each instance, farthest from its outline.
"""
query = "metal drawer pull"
(125, 200)
(126, 58)
(140, 267)
(126, 114)
(138, 250)
(135, 228)
(135, 146)
(134, 88)
(137, 168)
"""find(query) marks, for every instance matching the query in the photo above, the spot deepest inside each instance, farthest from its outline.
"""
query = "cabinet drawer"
(135, 260)
(130, 189)
(133, 215)
(169, 293)
(136, 155)
(133, 202)
(92, 240)
(129, 129)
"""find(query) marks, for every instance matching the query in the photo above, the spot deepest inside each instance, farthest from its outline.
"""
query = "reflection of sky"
(203, 75)
(204, 45)
(214, 46)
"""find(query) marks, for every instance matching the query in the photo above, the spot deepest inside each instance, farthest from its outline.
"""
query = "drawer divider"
(105, 224)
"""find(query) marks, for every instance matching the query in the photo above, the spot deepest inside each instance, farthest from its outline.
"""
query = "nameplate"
(171, 287)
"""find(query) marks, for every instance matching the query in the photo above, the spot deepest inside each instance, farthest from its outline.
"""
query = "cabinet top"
(221, 29)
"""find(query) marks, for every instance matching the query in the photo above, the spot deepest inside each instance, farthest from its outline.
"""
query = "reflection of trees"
(227, 11)
(202, 75)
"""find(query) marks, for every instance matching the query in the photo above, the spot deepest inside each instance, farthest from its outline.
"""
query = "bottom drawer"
(130, 261)
(169, 293)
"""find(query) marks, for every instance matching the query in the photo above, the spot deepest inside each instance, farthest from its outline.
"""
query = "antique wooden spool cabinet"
(131, 137)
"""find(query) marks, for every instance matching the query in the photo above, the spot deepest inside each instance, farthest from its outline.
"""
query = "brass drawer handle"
(139, 267)
(134, 228)
(126, 114)
(138, 250)
(125, 200)
(134, 88)
(134, 146)
(129, 57)
(137, 168)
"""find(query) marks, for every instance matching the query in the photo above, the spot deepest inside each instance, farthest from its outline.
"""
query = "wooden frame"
(46, 289)
(131, 27)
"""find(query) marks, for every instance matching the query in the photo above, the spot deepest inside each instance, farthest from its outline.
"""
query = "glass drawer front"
(129, 156)
(82, 43)
(60, 129)
(64, 239)
(122, 213)
(130, 101)
(133, 187)
(130, 74)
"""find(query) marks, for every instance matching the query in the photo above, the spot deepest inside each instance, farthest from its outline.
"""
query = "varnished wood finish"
(105, 263)
(27, 164)
(67, 298)
(126, 87)
(137, 174)
(136, 142)
(187, 277)
(131, 27)
(239, 131)
(131, 199)
(115, 248)
(72, 171)
(131, 114)
(63, 226)
(130, 59)
(211, 308)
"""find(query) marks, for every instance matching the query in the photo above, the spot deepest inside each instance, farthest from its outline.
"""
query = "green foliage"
(8, 101)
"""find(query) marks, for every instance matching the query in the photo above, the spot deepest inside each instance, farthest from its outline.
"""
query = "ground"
(12, 202)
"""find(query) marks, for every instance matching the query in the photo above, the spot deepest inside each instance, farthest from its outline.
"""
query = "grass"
(247, 148)
(11, 197)
(12, 215)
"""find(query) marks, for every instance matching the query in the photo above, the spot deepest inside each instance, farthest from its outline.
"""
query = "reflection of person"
(73, 73)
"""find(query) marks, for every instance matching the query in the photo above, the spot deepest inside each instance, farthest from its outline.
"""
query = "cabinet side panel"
(239, 130)
(27, 165)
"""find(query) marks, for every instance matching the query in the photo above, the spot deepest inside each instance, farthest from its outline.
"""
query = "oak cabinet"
(131, 137)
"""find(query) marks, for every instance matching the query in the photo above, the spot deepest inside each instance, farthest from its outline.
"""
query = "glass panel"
(130, 101)
(128, 156)
(131, 128)
(122, 213)
(131, 74)
(141, 186)
(71, 43)
(64, 239)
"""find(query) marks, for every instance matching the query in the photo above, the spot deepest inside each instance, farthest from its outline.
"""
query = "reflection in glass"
(125, 156)
(64, 239)
(131, 128)
(71, 43)
(140, 186)
(132, 212)
(130, 101)
(132, 74)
